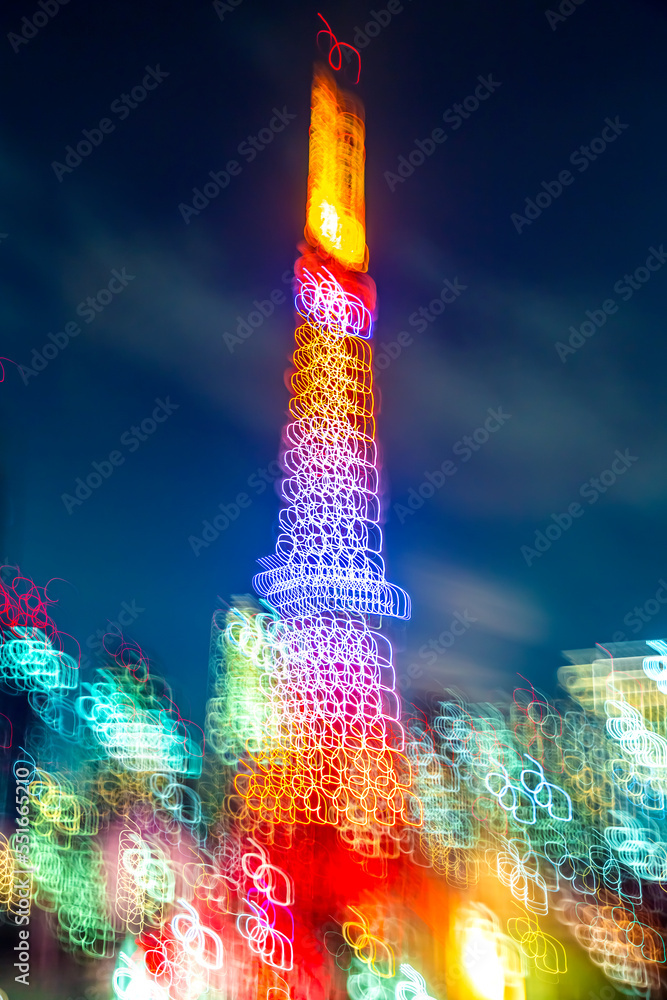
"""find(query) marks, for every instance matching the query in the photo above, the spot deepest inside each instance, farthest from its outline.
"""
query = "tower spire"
(333, 745)
(328, 553)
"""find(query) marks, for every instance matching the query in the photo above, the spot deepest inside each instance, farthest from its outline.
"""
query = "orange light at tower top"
(335, 214)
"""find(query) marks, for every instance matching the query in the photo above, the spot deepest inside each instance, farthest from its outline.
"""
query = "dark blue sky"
(218, 78)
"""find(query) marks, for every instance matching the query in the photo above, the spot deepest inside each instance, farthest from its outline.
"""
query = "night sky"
(534, 212)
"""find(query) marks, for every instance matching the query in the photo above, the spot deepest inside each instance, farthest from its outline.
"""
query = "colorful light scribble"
(321, 838)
